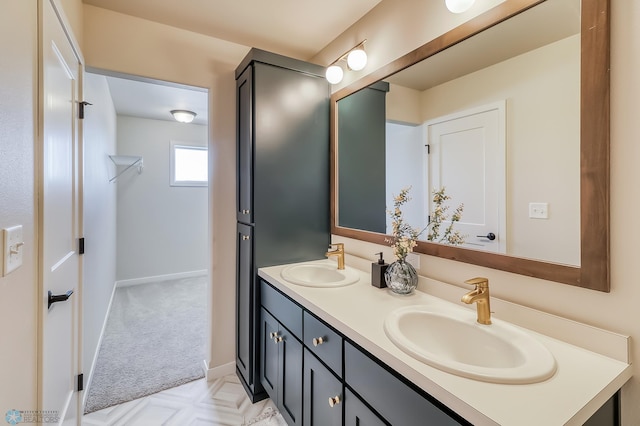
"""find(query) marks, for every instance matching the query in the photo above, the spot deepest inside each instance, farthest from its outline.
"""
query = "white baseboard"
(89, 377)
(220, 371)
(157, 278)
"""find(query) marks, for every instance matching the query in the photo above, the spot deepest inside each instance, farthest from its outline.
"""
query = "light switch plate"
(13, 247)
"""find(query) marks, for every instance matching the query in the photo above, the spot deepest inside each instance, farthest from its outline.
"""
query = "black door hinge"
(80, 382)
(81, 106)
(81, 245)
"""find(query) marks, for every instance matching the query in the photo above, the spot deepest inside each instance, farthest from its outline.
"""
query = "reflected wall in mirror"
(500, 120)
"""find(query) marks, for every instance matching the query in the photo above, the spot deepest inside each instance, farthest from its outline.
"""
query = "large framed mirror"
(510, 113)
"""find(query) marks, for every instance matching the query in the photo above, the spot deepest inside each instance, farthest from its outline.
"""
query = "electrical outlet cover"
(538, 210)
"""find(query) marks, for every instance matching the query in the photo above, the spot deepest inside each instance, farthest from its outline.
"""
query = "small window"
(189, 165)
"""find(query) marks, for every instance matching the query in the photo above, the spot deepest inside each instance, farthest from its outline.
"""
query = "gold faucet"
(339, 252)
(479, 295)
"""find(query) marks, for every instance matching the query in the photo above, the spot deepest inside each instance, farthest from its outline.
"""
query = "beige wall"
(122, 43)
(615, 311)
(18, 307)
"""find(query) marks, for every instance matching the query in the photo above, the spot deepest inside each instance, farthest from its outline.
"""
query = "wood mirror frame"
(593, 272)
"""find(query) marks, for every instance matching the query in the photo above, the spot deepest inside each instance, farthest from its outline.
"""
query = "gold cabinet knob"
(277, 339)
(245, 211)
(334, 400)
(273, 334)
(245, 237)
(317, 341)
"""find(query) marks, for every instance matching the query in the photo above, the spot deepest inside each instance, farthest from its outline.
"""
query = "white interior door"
(59, 222)
(468, 159)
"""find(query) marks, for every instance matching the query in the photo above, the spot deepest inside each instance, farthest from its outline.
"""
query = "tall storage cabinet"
(283, 183)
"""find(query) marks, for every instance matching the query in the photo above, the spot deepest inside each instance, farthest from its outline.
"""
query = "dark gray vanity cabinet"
(282, 110)
(335, 376)
(318, 377)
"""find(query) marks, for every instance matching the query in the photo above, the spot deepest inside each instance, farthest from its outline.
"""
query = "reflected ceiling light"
(459, 6)
(183, 116)
(356, 59)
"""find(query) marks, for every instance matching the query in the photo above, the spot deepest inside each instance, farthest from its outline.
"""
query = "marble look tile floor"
(220, 402)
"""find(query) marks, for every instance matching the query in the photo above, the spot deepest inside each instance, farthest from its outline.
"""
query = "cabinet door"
(269, 354)
(244, 99)
(356, 413)
(322, 394)
(290, 376)
(244, 305)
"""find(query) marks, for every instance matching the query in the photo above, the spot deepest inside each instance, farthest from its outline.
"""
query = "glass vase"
(401, 277)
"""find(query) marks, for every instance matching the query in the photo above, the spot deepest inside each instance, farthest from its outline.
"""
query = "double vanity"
(336, 350)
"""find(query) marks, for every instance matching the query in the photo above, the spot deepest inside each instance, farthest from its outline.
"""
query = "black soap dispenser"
(377, 273)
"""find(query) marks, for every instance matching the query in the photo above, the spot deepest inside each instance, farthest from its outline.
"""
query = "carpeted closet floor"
(154, 340)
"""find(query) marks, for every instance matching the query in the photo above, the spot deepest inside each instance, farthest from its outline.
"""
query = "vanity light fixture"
(183, 116)
(356, 59)
(458, 6)
(334, 74)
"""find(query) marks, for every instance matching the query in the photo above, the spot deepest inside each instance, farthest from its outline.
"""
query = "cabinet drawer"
(285, 310)
(398, 403)
(323, 341)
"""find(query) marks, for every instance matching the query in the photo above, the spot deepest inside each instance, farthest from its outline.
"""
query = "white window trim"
(172, 181)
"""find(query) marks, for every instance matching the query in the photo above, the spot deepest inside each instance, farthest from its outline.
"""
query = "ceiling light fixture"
(356, 59)
(458, 6)
(183, 116)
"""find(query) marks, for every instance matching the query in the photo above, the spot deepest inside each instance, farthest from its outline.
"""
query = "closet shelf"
(127, 162)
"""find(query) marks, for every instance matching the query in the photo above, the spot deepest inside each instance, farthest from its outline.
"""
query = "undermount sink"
(451, 340)
(319, 274)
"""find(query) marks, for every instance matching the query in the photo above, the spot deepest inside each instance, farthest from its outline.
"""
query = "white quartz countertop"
(584, 379)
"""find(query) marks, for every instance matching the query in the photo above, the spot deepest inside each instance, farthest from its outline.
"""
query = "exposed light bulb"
(334, 74)
(459, 6)
(357, 59)
(183, 116)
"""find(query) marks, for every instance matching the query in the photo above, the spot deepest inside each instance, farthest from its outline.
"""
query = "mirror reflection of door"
(467, 157)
